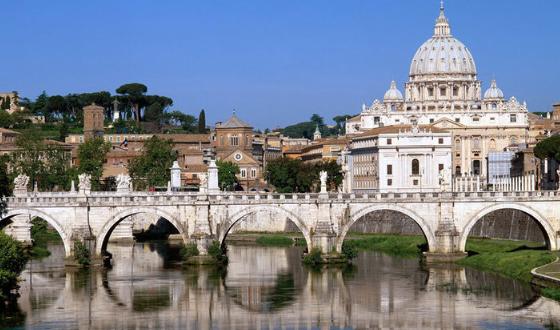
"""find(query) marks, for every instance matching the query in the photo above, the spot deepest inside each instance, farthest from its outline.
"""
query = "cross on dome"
(442, 28)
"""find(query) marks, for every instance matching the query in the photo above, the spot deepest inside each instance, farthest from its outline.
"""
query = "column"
(478, 183)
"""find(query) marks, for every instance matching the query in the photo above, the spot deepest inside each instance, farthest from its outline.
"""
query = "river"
(269, 288)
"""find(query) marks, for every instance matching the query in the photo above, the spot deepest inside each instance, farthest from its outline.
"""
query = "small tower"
(93, 121)
(317, 134)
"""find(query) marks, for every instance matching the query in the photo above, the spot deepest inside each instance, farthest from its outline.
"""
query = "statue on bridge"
(20, 185)
(124, 183)
(323, 176)
(84, 183)
(444, 177)
(203, 187)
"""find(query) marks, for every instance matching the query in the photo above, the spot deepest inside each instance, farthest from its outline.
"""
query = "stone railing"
(165, 198)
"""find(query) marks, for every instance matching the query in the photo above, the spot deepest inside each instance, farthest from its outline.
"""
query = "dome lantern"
(393, 93)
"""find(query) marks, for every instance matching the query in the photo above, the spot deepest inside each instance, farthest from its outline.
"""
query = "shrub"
(274, 240)
(12, 263)
(313, 258)
(189, 250)
(218, 252)
(81, 254)
(349, 251)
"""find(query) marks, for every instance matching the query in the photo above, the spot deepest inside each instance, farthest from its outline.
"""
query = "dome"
(393, 94)
(493, 92)
(442, 54)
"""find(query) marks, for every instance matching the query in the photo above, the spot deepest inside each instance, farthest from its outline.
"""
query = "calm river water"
(268, 288)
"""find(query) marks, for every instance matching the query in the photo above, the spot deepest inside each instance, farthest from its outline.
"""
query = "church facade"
(443, 91)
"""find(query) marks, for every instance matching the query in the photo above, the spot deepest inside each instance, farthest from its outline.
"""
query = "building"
(328, 149)
(400, 157)
(233, 142)
(443, 91)
(94, 117)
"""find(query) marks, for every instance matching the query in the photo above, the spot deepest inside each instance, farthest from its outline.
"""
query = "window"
(512, 118)
(389, 141)
(415, 167)
(455, 91)
(457, 170)
(234, 140)
(431, 120)
(475, 119)
(440, 140)
(243, 173)
(253, 173)
(476, 167)
(443, 91)
(415, 182)
(457, 120)
(389, 169)
(440, 167)
(389, 182)
(430, 91)
(376, 120)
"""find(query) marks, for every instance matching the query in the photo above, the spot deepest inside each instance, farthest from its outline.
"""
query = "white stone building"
(443, 90)
(400, 158)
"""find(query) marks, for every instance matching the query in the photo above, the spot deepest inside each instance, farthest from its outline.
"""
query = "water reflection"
(268, 288)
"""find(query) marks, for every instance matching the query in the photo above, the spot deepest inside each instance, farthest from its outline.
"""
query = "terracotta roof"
(196, 168)
(234, 122)
(186, 138)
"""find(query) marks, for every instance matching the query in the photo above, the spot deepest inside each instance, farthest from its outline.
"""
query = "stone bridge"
(445, 218)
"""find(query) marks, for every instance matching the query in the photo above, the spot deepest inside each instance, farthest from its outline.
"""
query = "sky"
(274, 62)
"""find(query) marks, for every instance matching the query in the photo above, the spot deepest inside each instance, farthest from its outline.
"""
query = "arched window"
(415, 167)
(457, 170)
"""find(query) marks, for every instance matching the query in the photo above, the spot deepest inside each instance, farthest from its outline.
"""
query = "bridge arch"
(238, 216)
(107, 228)
(424, 226)
(546, 227)
(34, 213)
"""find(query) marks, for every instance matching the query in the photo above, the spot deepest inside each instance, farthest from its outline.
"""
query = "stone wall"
(508, 224)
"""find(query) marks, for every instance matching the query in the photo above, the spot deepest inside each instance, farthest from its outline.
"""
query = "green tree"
(152, 167)
(27, 159)
(91, 156)
(5, 185)
(12, 262)
(6, 119)
(341, 124)
(227, 175)
(63, 131)
(282, 173)
(548, 148)
(178, 119)
(202, 122)
(134, 93)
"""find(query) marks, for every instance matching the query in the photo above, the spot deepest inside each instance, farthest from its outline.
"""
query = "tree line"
(306, 129)
(295, 176)
(137, 111)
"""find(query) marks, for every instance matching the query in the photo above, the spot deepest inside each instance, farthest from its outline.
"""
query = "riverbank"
(42, 235)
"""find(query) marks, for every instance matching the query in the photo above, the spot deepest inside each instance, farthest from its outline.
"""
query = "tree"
(91, 156)
(134, 94)
(282, 173)
(227, 175)
(6, 119)
(293, 175)
(12, 262)
(63, 131)
(334, 173)
(341, 124)
(202, 122)
(178, 119)
(317, 120)
(152, 167)
(549, 148)
(27, 159)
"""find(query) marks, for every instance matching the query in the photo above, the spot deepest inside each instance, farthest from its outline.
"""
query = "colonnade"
(518, 183)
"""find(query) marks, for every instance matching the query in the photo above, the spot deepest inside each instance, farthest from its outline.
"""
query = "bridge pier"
(20, 229)
(448, 239)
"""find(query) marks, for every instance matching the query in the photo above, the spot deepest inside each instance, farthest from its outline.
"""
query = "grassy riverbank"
(401, 246)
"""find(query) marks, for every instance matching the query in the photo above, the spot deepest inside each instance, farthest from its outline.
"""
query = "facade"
(398, 158)
(443, 90)
(94, 117)
(233, 142)
(328, 149)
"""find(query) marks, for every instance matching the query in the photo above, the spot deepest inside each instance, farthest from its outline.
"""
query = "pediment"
(447, 123)
(240, 157)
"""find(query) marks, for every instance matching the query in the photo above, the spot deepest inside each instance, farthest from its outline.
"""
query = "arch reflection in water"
(269, 288)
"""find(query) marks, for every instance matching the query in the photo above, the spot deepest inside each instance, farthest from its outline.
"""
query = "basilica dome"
(494, 92)
(442, 54)
(393, 93)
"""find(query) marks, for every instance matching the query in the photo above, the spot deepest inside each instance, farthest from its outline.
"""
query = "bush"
(218, 252)
(12, 263)
(349, 251)
(313, 258)
(81, 254)
(189, 250)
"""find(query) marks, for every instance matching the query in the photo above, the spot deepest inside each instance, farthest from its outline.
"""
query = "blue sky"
(275, 62)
